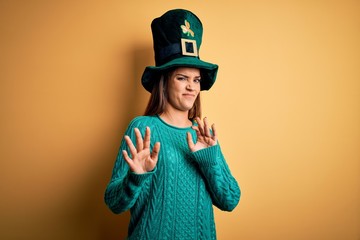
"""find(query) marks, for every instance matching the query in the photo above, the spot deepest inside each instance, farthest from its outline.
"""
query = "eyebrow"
(183, 75)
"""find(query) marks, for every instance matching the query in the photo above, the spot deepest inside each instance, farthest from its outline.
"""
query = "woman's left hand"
(204, 137)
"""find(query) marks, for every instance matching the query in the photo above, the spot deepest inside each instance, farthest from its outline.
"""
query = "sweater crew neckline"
(172, 126)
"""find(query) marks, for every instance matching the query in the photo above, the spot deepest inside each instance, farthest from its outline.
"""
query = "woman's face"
(183, 88)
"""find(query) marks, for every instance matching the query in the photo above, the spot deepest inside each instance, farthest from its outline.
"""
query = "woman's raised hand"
(142, 160)
(204, 137)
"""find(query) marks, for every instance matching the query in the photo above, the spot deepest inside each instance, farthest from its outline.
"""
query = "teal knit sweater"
(175, 200)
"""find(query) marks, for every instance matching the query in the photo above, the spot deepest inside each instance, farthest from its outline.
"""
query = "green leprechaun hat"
(177, 37)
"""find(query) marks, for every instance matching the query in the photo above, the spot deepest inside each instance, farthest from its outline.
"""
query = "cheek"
(174, 86)
(178, 88)
(173, 93)
(197, 88)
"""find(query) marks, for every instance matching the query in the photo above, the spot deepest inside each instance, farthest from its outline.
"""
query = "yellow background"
(286, 104)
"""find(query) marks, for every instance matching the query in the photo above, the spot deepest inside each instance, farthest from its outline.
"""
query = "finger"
(147, 138)
(196, 128)
(131, 146)
(200, 125)
(214, 132)
(198, 134)
(190, 141)
(155, 152)
(206, 128)
(139, 140)
(127, 158)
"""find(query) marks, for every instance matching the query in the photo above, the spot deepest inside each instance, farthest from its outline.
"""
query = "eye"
(197, 80)
(181, 78)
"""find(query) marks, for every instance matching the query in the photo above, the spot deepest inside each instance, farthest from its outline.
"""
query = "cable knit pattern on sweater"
(175, 200)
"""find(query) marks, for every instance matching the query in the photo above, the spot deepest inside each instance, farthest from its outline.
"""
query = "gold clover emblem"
(186, 29)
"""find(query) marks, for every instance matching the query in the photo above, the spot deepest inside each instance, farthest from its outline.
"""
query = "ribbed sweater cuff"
(207, 156)
(138, 179)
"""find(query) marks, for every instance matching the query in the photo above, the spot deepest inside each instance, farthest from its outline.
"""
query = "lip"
(188, 95)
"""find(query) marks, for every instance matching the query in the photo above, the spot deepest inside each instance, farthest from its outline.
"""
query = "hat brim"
(208, 71)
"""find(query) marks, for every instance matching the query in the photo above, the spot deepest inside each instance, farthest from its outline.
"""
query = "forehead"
(194, 72)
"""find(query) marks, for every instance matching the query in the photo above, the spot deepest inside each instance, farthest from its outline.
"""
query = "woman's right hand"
(142, 160)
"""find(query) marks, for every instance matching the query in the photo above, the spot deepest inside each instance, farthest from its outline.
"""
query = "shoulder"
(142, 121)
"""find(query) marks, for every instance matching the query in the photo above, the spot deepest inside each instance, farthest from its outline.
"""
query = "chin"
(189, 107)
(185, 108)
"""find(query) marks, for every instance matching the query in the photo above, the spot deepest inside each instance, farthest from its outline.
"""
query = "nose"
(190, 86)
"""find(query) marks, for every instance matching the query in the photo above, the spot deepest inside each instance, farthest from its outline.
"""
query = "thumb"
(190, 141)
(155, 152)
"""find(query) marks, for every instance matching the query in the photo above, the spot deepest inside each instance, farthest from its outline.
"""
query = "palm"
(203, 143)
(204, 137)
(142, 160)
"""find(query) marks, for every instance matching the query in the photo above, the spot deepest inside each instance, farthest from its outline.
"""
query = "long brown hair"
(158, 98)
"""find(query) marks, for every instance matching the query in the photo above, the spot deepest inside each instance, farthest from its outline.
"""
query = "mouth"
(188, 95)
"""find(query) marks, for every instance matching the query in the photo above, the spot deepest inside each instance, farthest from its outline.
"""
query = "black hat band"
(187, 48)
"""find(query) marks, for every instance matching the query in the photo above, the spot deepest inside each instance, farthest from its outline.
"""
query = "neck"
(176, 118)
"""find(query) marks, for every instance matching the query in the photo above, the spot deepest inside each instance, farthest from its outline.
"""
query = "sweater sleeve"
(223, 187)
(125, 186)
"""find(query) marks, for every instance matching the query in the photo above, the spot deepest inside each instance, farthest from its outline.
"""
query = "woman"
(170, 169)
